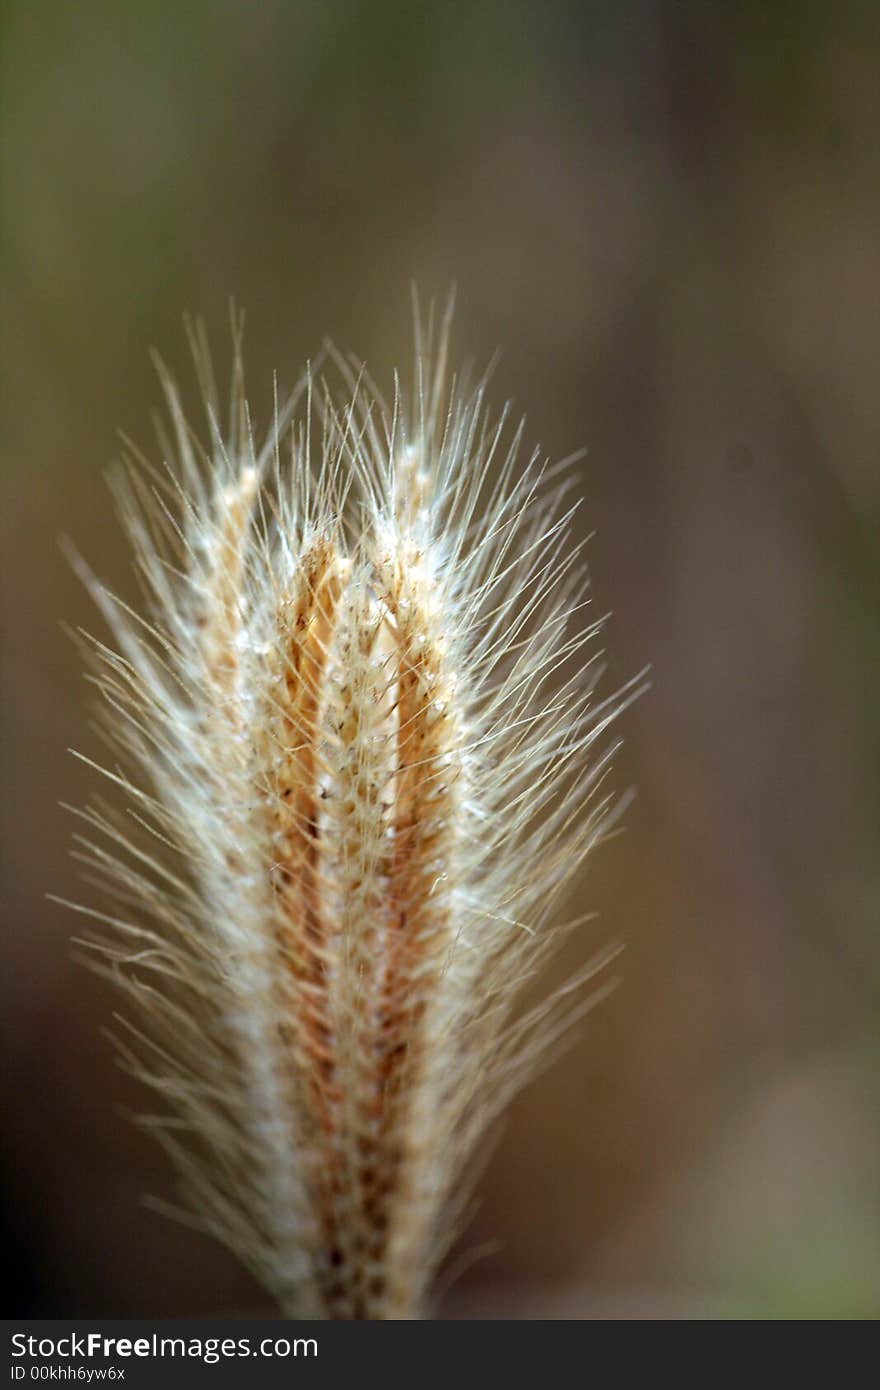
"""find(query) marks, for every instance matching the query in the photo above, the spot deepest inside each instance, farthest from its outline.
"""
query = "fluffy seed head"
(353, 728)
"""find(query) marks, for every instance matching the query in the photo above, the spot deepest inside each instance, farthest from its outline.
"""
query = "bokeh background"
(667, 216)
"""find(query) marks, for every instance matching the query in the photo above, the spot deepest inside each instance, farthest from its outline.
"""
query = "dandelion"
(353, 727)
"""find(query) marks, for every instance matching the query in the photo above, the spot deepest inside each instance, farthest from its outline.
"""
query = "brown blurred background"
(667, 216)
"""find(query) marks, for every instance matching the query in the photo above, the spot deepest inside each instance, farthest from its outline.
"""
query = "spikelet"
(354, 729)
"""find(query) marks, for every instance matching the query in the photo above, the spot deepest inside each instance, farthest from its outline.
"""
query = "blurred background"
(666, 216)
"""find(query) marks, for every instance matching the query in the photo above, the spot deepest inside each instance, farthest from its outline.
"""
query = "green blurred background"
(666, 215)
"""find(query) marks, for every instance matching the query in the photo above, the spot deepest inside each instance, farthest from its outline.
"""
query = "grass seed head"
(360, 756)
